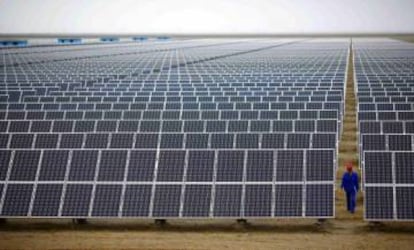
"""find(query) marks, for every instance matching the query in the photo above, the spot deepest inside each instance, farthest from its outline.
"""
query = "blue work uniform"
(350, 184)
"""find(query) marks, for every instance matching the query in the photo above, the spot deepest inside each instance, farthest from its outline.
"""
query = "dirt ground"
(346, 231)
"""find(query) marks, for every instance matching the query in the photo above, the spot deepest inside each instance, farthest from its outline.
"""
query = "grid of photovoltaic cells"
(180, 128)
(385, 85)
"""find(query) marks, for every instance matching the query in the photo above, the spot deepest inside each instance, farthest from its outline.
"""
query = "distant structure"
(140, 38)
(163, 38)
(109, 39)
(69, 40)
(13, 43)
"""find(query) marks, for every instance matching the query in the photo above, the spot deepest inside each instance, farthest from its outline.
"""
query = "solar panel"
(222, 140)
(106, 200)
(128, 126)
(405, 203)
(172, 141)
(197, 201)
(25, 165)
(259, 166)
(318, 200)
(141, 165)
(167, 201)
(399, 142)
(319, 165)
(230, 166)
(298, 140)
(324, 141)
(227, 202)
(378, 167)
(258, 201)
(289, 166)
(77, 199)
(47, 200)
(393, 127)
(379, 203)
(288, 200)
(122, 141)
(53, 165)
(96, 140)
(112, 165)
(247, 141)
(46, 141)
(21, 141)
(5, 156)
(83, 165)
(374, 142)
(370, 127)
(137, 200)
(17, 199)
(71, 141)
(200, 166)
(146, 141)
(171, 166)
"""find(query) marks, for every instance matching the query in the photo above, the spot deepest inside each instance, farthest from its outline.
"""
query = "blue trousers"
(351, 201)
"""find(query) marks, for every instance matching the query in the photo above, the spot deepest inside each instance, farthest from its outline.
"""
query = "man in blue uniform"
(350, 185)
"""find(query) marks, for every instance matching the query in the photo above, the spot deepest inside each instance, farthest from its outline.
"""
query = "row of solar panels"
(140, 74)
(187, 78)
(387, 142)
(16, 96)
(29, 100)
(190, 77)
(74, 90)
(311, 125)
(183, 106)
(147, 166)
(217, 92)
(88, 50)
(199, 52)
(387, 93)
(174, 171)
(181, 115)
(212, 89)
(178, 98)
(386, 127)
(386, 116)
(103, 80)
(46, 48)
(385, 89)
(390, 85)
(384, 99)
(163, 201)
(173, 140)
(378, 106)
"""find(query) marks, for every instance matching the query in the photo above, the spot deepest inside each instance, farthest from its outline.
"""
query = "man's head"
(348, 166)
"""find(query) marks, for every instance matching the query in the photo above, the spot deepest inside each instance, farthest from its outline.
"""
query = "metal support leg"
(160, 222)
(242, 222)
(79, 221)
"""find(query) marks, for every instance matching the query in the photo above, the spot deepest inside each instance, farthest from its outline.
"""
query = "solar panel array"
(385, 86)
(180, 128)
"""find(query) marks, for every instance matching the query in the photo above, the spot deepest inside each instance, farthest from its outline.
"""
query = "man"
(350, 185)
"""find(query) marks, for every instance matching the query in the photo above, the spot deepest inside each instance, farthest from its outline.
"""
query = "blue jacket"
(350, 182)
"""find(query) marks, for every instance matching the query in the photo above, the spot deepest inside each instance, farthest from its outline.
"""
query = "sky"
(206, 16)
